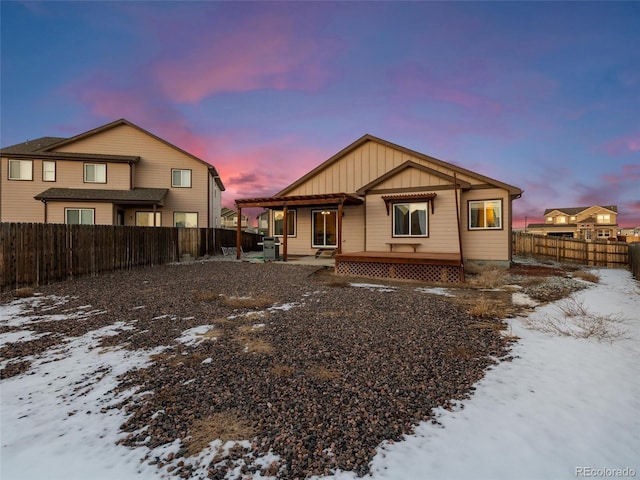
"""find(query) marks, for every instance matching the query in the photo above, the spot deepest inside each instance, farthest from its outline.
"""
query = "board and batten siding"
(157, 160)
(492, 245)
(365, 164)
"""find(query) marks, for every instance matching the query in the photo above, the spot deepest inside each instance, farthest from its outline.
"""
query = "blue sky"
(541, 95)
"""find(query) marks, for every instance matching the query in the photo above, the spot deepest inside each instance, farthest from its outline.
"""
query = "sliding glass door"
(325, 228)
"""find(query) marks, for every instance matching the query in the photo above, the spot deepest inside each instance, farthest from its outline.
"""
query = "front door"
(325, 228)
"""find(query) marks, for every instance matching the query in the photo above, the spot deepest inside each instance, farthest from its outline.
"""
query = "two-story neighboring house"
(230, 219)
(116, 174)
(585, 223)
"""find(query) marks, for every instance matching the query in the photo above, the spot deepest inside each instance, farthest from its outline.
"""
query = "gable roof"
(123, 121)
(370, 138)
(577, 210)
(410, 164)
(45, 147)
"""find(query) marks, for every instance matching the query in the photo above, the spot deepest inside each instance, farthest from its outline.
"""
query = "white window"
(604, 233)
(485, 215)
(145, 219)
(48, 171)
(95, 173)
(410, 219)
(278, 223)
(603, 218)
(185, 219)
(549, 219)
(561, 219)
(181, 178)
(20, 170)
(79, 216)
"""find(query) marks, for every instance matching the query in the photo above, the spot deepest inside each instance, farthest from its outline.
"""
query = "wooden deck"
(427, 267)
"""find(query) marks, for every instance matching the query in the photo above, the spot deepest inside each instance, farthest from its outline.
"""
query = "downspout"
(285, 231)
(455, 193)
(340, 226)
(239, 234)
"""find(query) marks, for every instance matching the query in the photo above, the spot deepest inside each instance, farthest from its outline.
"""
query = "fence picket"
(571, 250)
(33, 254)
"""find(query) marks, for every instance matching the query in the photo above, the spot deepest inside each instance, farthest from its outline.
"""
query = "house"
(116, 174)
(263, 223)
(584, 223)
(229, 219)
(385, 210)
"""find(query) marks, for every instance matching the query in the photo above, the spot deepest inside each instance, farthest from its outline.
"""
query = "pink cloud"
(141, 107)
(264, 51)
(623, 145)
(459, 91)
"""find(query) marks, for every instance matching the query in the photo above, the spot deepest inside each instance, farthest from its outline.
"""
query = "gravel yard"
(313, 371)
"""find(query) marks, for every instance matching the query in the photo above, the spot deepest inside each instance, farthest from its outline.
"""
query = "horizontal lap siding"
(103, 212)
(154, 169)
(485, 244)
(352, 231)
(443, 232)
(16, 196)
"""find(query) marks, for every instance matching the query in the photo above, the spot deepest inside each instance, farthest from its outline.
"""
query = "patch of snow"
(374, 287)
(58, 419)
(563, 403)
(195, 335)
(435, 291)
(284, 306)
(523, 300)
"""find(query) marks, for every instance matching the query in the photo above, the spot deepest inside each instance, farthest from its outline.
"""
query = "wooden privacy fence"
(570, 250)
(33, 254)
(634, 259)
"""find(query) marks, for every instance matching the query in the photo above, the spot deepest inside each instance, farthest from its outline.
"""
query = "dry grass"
(206, 296)
(283, 370)
(495, 326)
(253, 345)
(573, 319)
(223, 426)
(259, 301)
(323, 373)
(23, 292)
(484, 308)
(212, 333)
(488, 277)
(586, 276)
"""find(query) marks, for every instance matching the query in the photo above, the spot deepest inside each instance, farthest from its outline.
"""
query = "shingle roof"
(33, 145)
(576, 210)
(148, 196)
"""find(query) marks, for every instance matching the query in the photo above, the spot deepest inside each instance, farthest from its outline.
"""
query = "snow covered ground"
(564, 407)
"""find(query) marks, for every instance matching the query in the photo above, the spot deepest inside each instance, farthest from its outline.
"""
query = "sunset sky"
(541, 95)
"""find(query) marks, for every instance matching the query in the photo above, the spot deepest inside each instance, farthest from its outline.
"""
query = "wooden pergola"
(283, 203)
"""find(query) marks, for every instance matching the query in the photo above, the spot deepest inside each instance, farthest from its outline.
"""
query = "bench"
(412, 245)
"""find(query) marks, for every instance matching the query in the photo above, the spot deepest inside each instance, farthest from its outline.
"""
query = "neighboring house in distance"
(230, 219)
(629, 235)
(584, 223)
(381, 203)
(263, 223)
(116, 174)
